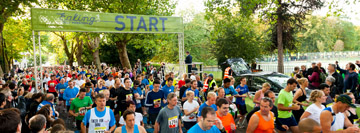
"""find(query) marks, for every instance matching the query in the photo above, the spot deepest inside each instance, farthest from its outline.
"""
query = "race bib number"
(173, 122)
(101, 91)
(129, 95)
(52, 84)
(100, 129)
(157, 103)
(228, 95)
(82, 111)
(192, 116)
(196, 98)
(62, 91)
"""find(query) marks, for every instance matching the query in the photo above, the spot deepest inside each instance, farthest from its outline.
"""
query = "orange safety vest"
(226, 74)
(206, 86)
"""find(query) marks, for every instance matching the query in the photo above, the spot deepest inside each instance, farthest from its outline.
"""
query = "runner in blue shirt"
(211, 100)
(243, 91)
(229, 90)
(193, 87)
(61, 88)
(209, 122)
(168, 88)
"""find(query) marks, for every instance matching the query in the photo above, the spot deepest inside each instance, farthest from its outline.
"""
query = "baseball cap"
(211, 75)
(345, 99)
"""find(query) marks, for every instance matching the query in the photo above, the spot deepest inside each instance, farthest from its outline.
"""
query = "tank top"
(302, 97)
(99, 124)
(261, 96)
(352, 117)
(136, 129)
(263, 125)
(338, 120)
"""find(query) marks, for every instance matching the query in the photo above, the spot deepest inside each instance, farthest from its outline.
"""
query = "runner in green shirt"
(79, 106)
(285, 106)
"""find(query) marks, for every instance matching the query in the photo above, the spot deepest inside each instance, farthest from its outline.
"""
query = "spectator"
(296, 71)
(10, 121)
(325, 88)
(303, 71)
(317, 97)
(334, 90)
(311, 70)
(47, 112)
(320, 68)
(314, 78)
(188, 61)
(351, 77)
(339, 81)
(332, 118)
(37, 123)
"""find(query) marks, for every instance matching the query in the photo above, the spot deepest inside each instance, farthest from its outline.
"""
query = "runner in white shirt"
(190, 108)
(317, 97)
(110, 82)
(79, 82)
(130, 105)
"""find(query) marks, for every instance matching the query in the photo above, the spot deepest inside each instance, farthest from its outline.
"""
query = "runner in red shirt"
(52, 84)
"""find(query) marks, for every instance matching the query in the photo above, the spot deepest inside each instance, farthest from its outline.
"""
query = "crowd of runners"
(143, 100)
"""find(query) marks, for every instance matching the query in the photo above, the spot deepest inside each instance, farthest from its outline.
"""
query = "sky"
(351, 12)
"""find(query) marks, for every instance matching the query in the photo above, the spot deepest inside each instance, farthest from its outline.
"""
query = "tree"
(284, 16)
(69, 45)
(9, 8)
(232, 36)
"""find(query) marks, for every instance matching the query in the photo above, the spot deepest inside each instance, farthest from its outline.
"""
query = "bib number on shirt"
(173, 122)
(82, 111)
(129, 95)
(62, 91)
(228, 95)
(100, 129)
(157, 103)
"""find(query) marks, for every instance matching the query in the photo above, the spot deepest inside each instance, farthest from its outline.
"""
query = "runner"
(168, 88)
(70, 93)
(285, 107)
(130, 105)
(190, 109)
(125, 94)
(208, 122)
(229, 90)
(79, 81)
(51, 85)
(99, 119)
(153, 100)
(243, 91)
(130, 126)
(223, 114)
(260, 94)
(79, 107)
(61, 88)
(193, 88)
(169, 118)
(332, 119)
(138, 95)
(209, 103)
(313, 111)
(262, 121)
(183, 89)
(100, 86)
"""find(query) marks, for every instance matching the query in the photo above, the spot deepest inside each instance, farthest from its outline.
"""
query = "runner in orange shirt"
(223, 114)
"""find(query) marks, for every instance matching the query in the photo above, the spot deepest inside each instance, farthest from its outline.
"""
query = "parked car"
(256, 80)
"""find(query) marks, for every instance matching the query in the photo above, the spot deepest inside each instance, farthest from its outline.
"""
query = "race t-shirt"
(169, 119)
(189, 107)
(61, 88)
(230, 91)
(166, 89)
(205, 105)
(79, 106)
(242, 91)
(196, 93)
(196, 129)
(52, 84)
(99, 90)
(315, 112)
(285, 98)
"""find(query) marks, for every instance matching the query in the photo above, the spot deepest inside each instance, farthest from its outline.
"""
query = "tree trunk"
(123, 56)
(93, 45)
(279, 28)
(2, 60)
(79, 51)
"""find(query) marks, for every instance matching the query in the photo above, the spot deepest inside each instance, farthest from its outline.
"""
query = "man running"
(223, 114)
(100, 118)
(208, 122)
(130, 126)
(153, 100)
(79, 107)
(70, 93)
(211, 99)
(193, 88)
(332, 119)
(285, 107)
(169, 118)
(130, 105)
(263, 120)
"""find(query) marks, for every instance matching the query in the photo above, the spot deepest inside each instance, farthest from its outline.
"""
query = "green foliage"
(232, 35)
(31, 60)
